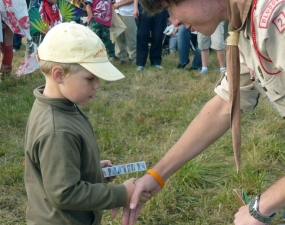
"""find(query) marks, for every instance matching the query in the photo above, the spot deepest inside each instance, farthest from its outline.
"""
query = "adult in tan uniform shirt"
(265, 65)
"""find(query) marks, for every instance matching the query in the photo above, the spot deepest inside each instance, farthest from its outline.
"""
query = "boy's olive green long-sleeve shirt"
(63, 176)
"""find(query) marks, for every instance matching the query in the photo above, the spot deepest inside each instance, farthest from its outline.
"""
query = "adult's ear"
(57, 74)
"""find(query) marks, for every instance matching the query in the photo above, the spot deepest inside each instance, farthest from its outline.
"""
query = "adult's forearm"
(125, 2)
(136, 2)
(209, 125)
(273, 199)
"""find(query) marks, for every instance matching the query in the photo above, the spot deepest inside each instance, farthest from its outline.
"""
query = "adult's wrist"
(264, 207)
(254, 211)
(157, 177)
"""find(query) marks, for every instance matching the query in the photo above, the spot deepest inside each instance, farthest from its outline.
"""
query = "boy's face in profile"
(79, 87)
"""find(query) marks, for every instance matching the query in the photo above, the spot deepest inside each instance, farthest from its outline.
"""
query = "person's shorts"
(248, 94)
(215, 41)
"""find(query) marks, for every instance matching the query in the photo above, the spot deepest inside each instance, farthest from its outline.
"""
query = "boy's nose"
(96, 84)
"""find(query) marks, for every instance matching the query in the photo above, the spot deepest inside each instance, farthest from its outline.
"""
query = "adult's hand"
(146, 184)
(115, 5)
(242, 217)
(130, 216)
(136, 13)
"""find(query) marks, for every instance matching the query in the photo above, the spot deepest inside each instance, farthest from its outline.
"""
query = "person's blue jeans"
(17, 41)
(183, 42)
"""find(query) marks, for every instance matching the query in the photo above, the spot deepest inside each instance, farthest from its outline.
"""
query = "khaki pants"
(126, 42)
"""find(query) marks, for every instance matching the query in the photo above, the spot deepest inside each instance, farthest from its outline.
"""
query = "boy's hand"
(107, 163)
(145, 184)
(133, 214)
(130, 187)
(144, 196)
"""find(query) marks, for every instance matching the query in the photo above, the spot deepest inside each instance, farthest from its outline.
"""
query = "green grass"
(140, 118)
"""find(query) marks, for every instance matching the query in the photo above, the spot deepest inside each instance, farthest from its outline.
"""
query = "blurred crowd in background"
(129, 34)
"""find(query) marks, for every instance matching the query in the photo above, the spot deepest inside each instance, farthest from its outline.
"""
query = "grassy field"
(140, 118)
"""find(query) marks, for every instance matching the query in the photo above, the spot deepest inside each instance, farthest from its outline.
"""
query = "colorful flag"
(30, 65)
(15, 14)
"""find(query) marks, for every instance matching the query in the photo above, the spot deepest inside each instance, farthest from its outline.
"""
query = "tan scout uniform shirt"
(269, 23)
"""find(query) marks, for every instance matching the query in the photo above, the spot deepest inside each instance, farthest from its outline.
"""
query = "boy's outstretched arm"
(208, 126)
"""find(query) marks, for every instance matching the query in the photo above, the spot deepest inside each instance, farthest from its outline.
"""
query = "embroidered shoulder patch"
(267, 12)
(279, 22)
(251, 72)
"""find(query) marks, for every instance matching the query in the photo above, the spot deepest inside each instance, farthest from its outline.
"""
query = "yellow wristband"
(157, 177)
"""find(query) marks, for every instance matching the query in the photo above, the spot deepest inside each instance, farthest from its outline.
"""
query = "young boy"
(63, 171)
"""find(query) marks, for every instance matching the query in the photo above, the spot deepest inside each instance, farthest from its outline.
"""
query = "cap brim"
(104, 70)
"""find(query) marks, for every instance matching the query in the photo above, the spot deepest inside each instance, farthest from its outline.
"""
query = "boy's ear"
(57, 74)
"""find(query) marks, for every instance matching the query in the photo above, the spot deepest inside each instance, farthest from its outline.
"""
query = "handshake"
(139, 191)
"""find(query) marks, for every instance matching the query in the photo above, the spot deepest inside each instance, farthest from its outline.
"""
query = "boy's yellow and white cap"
(75, 43)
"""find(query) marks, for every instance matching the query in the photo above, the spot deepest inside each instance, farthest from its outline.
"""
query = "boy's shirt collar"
(61, 103)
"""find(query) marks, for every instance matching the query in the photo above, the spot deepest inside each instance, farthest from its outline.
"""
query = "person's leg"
(183, 43)
(8, 58)
(204, 42)
(205, 57)
(17, 42)
(120, 47)
(159, 22)
(1, 59)
(226, 25)
(197, 60)
(131, 36)
(221, 57)
(7, 50)
(218, 44)
(36, 38)
(28, 4)
(103, 33)
(172, 44)
(143, 34)
(110, 47)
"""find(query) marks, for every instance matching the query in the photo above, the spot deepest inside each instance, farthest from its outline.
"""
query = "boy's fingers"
(126, 215)
(114, 212)
(134, 214)
(139, 208)
(135, 197)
